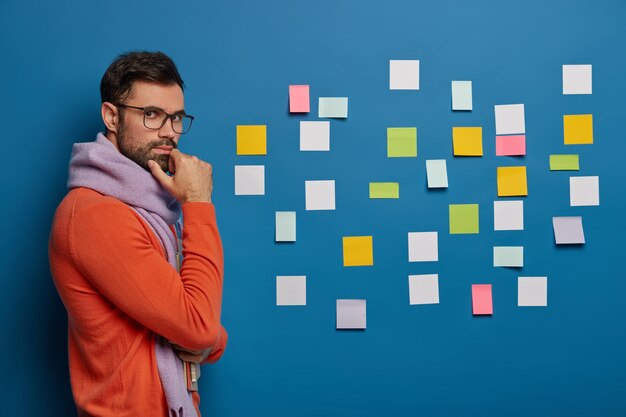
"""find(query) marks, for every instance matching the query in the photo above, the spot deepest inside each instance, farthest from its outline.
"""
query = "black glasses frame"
(167, 116)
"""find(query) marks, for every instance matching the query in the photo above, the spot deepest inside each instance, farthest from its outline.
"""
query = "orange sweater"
(120, 292)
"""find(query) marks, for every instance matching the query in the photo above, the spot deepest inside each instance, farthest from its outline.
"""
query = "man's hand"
(191, 180)
(195, 356)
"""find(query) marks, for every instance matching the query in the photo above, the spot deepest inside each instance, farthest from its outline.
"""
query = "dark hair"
(117, 81)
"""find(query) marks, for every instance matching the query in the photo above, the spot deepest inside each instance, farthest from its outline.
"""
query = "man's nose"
(167, 131)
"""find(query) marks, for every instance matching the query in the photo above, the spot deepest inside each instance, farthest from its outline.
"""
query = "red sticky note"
(481, 299)
(299, 99)
(511, 145)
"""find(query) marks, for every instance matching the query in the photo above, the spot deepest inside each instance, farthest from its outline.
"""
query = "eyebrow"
(182, 111)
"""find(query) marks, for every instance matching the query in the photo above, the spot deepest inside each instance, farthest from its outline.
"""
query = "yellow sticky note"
(512, 181)
(578, 129)
(467, 141)
(357, 251)
(251, 140)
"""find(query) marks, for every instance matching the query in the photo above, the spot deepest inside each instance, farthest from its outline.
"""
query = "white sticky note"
(351, 314)
(291, 290)
(508, 215)
(404, 75)
(568, 230)
(423, 247)
(584, 191)
(576, 79)
(424, 289)
(508, 256)
(320, 195)
(333, 107)
(437, 173)
(315, 136)
(285, 226)
(461, 95)
(510, 119)
(532, 291)
(249, 179)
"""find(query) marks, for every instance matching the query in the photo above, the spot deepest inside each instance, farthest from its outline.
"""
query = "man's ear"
(110, 117)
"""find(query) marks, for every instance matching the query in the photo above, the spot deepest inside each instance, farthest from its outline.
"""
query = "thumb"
(163, 179)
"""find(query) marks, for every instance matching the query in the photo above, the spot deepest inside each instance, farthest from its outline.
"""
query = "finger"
(160, 176)
(174, 159)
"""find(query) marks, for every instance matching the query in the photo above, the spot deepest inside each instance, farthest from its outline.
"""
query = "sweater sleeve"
(113, 249)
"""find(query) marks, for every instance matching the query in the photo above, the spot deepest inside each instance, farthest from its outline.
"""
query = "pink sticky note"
(299, 99)
(511, 145)
(481, 299)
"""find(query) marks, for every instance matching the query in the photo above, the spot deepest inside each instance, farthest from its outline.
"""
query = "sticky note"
(401, 142)
(404, 75)
(482, 303)
(358, 251)
(320, 195)
(437, 173)
(351, 314)
(467, 141)
(333, 107)
(461, 95)
(564, 163)
(291, 290)
(251, 140)
(424, 289)
(423, 247)
(299, 99)
(285, 226)
(249, 179)
(576, 79)
(508, 256)
(568, 230)
(512, 181)
(578, 129)
(384, 190)
(508, 215)
(584, 191)
(315, 136)
(510, 119)
(463, 219)
(514, 145)
(532, 291)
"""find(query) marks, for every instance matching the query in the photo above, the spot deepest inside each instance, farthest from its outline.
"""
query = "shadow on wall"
(40, 328)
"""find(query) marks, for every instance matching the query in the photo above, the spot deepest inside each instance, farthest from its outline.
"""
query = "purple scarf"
(101, 167)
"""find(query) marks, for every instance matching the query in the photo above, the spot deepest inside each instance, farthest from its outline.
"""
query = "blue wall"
(237, 59)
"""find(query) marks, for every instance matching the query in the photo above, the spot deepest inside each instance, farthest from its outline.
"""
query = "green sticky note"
(463, 219)
(564, 163)
(401, 142)
(285, 226)
(333, 107)
(512, 256)
(384, 190)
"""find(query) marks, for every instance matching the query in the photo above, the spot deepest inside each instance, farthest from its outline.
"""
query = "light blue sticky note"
(437, 173)
(461, 95)
(336, 107)
(285, 226)
(511, 256)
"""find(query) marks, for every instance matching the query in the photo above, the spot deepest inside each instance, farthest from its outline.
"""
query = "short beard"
(142, 154)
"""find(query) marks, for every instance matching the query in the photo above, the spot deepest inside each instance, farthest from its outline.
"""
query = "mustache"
(164, 142)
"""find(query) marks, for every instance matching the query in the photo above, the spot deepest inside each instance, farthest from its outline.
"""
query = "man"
(141, 314)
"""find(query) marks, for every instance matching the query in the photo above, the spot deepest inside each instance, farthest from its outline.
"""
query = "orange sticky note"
(467, 141)
(512, 181)
(482, 303)
(514, 145)
(358, 251)
(299, 99)
(578, 129)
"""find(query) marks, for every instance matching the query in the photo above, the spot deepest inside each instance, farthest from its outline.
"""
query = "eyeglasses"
(154, 118)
